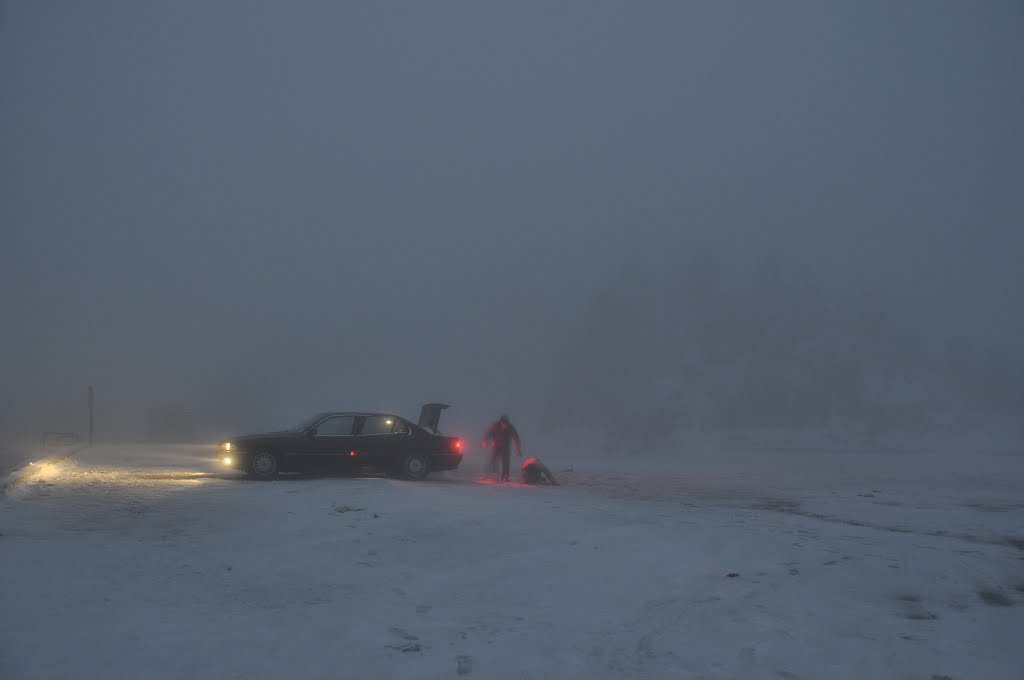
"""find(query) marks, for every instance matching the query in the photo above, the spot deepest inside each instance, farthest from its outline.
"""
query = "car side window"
(337, 426)
(379, 425)
(400, 427)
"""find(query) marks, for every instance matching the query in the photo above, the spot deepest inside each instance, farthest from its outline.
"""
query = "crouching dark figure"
(536, 472)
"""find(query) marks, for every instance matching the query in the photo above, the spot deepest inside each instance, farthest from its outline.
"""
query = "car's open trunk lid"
(430, 416)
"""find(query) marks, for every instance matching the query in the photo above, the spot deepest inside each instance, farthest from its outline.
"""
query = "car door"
(333, 443)
(380, 440)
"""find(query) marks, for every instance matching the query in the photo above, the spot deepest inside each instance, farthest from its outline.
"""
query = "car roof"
(327, 414)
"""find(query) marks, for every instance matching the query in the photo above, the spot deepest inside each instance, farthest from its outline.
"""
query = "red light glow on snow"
(491, 481)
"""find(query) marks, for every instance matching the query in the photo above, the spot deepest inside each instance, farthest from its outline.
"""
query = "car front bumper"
(231, 459)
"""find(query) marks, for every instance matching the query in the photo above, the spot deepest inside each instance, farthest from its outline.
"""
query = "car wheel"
(415, 466)
(263, 465)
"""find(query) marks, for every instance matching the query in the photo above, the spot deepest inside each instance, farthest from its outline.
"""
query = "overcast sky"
(262, 209)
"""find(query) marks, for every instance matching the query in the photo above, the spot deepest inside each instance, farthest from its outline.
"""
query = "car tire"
(415, 466)
(262, 465)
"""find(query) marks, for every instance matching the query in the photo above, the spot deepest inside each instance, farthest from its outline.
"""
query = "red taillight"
(457, 445)
(351, 453)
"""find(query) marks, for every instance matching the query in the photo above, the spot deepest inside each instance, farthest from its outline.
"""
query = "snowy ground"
(131, 562)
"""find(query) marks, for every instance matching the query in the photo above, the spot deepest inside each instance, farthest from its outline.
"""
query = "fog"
(644, 219)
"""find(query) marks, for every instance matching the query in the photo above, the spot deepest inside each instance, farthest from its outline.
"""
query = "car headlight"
(227, 460)
(226, 446)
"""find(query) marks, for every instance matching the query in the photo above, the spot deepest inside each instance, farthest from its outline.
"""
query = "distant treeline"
(770, 350)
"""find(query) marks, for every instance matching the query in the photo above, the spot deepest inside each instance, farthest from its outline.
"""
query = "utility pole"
(91, 402)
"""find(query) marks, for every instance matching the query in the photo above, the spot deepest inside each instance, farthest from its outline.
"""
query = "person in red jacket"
(499, 437)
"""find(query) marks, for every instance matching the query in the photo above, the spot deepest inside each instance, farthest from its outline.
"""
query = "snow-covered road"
(132, 562)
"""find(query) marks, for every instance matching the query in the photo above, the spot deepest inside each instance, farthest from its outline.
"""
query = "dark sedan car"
(347, 441)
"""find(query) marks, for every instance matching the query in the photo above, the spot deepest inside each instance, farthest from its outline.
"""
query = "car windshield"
(308, 423)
